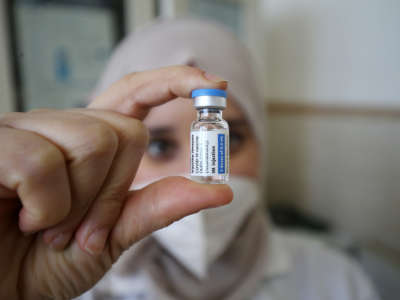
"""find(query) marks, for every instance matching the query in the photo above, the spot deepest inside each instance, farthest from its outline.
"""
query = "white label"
(209, 152)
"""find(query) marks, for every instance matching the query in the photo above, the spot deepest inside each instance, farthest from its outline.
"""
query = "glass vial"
(209, 138)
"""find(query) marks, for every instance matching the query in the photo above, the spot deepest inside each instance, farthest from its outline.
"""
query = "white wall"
(137, 13)
(343, 168)
(336, 52)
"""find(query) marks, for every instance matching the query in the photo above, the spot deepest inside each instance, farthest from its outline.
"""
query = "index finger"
(135, 94)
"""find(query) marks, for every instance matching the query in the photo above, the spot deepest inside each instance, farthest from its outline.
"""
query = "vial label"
(209, 152)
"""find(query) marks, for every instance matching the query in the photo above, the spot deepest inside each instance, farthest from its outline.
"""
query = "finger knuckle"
(129, 77)
(8, 118)
(99, 139)
(186, 70)
(52, 216)
(155, 212)
(111, 202)
(136, 133)
(41, 110)
(43, 161)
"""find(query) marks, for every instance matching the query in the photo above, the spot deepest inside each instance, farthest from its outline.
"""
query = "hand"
(65, 211)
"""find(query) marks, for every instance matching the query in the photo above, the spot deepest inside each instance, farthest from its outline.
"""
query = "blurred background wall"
(333, 94)
(334, 99)
(330, 72)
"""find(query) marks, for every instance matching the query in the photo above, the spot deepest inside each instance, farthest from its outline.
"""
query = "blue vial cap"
(208, 92)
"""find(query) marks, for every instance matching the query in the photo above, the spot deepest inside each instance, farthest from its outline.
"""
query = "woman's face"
(168, 152)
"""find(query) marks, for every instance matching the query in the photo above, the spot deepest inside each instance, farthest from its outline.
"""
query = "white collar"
(278, 259)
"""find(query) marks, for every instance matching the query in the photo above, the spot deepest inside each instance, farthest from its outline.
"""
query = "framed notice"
(60, 48)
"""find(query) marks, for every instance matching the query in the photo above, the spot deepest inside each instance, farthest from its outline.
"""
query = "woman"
(230, 252)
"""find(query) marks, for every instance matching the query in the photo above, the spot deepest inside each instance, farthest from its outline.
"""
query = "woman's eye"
(236, 140)
(161, 149)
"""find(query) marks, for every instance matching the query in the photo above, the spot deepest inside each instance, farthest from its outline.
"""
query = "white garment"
(298, 268)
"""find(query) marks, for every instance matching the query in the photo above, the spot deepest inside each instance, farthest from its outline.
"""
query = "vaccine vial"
(209, 138)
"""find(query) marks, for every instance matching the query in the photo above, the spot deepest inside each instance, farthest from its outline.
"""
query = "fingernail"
(96, 241)
(214, 78)
(60, 241)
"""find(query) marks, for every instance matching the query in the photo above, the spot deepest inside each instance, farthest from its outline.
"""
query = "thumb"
(161, 203)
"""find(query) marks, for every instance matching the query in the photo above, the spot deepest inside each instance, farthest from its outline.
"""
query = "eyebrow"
(156, 131)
